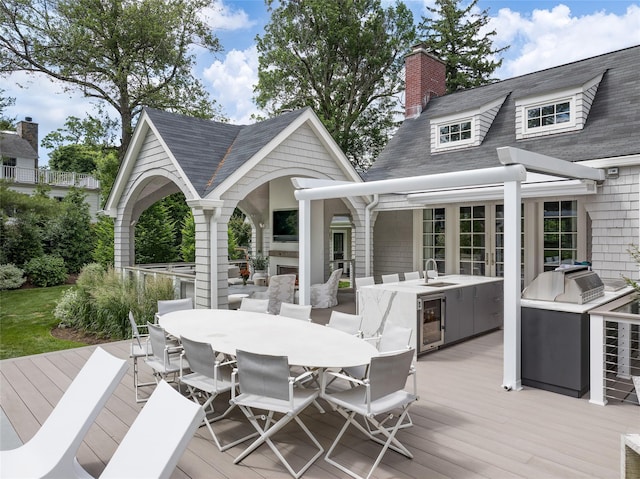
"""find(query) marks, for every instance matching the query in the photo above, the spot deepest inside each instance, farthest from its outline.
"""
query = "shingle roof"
(611, 128)
(14, 146)
(210, 151)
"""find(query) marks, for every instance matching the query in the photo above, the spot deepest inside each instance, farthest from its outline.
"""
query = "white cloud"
(232, 82)
(554, 37)
(224, 17)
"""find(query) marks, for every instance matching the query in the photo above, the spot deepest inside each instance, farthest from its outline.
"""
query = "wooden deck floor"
(465, 425)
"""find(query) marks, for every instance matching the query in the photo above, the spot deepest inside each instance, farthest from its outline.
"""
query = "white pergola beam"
(509, 155)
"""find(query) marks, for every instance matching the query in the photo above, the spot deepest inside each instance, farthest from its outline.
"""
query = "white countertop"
(576, 308)
(419, 286)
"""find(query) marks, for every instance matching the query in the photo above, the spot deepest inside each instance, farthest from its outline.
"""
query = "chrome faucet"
(428, 273)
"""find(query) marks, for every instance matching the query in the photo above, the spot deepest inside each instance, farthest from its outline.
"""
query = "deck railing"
(183, 276)
(34, 176)
(614, 357)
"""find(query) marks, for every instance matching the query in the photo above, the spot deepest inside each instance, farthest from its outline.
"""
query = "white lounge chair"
(157, 438)
(51, 452)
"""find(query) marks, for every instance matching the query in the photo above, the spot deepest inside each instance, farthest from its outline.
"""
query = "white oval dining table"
(303, 342)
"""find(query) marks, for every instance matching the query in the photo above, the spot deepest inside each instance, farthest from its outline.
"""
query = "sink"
(439, 284)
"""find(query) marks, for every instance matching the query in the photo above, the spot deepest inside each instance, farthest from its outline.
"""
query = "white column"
(596, 360)
(512, 271)
(304, 274)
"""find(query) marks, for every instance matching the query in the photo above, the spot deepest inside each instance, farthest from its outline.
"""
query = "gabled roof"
(13, 145)
(208, 151)
(611, 128)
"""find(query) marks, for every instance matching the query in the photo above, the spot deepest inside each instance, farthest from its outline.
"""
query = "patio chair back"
(135, 332)
(412, 275)
(297, 311)
(388, 373)
(254, 305)
(52, 450)
(158, 340)
(171, 305)
(394, 338)
(201, 357)
(157, 438)
(263, 375)
(348, 323)
(390, 278)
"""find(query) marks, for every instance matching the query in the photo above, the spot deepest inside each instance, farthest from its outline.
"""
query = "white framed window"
(460, 132)
(549, 116)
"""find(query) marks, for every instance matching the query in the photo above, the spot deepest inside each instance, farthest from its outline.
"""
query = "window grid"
(548, 115)
(454, 132)
(433, 236)
(560, 233)
(472, 240)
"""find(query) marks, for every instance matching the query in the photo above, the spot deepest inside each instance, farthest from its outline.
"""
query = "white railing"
(34, 176)
(183, 276)
(614, 354)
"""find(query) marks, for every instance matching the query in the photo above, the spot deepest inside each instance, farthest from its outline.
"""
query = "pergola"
(510, 176)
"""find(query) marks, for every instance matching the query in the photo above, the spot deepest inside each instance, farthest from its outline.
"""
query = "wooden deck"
(465, 425)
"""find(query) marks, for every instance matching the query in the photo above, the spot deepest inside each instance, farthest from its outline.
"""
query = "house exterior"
(218, 167)
(586, 112)
(19, 168)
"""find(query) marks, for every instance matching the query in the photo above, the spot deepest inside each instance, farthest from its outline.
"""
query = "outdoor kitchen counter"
(474, 304)
(576, 308)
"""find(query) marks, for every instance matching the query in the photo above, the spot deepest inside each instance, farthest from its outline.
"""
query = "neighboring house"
(585, 113)
(19, 167)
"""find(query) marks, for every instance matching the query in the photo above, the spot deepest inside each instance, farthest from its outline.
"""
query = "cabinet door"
(488, 309)
(458, 314)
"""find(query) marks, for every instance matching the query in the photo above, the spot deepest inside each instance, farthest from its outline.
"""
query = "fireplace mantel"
(283, 254)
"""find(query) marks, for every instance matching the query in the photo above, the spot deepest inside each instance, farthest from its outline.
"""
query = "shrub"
(11, 277)
(46, 270)
(73, 307)
(91, 276)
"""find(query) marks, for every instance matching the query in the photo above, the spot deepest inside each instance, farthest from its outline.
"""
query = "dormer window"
(464, 129)
(455, 132)
(558, 112)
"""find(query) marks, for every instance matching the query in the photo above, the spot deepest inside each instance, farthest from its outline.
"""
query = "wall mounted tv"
(285, 225)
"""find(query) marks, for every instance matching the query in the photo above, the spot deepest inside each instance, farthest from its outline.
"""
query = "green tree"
(78, 158)
(69, 234)
(103, 252)
(241, 229)
(155, 236)
(342, 58)
(6, 123)
(126, 53)
(457, 36)
(188, 234)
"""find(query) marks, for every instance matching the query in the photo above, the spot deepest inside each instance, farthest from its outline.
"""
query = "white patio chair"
(254, 305)
(170, 305)
(52, 450)
(348, 323)
(157, 438)
(281, 290)
(381, 393)
(412, 275)
(164, 357)
(297, 311)
(325, 295)
(393, 338)
(265, 385)
(140, 348)
(209, 378)
(391, 278)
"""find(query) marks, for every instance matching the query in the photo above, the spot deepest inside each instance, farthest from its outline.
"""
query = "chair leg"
(390, 443)
(137, 384)
(269, 430)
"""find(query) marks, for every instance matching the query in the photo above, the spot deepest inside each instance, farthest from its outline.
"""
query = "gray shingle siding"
(611, 128)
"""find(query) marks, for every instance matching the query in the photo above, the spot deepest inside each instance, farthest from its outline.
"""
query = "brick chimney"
(425, 77)
(28, 130)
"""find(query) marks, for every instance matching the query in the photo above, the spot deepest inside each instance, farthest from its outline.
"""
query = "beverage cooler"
(431, 317)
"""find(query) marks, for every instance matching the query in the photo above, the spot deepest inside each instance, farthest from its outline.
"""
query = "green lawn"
(26, 320)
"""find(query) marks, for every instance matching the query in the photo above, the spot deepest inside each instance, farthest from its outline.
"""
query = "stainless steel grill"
(568, 285)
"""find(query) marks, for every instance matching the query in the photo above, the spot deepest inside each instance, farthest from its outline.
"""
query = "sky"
(541, 34)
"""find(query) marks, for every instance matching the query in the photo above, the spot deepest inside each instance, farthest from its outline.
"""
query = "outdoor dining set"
(271, 367)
